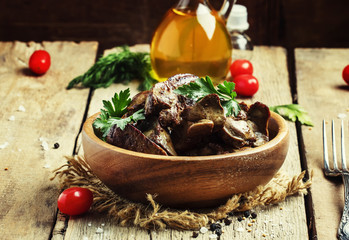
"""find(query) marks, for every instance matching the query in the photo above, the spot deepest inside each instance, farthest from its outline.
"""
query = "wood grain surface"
(324, 94)
(36, 112)
(286, 220)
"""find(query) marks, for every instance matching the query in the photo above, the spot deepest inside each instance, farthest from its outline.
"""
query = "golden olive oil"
(194, 42)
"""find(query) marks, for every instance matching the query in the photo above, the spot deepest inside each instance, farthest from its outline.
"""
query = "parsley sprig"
(204, 86)
(293, 112)
(120, 67)
(114, 110)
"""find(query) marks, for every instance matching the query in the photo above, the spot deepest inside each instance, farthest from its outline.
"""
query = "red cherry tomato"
(246, 85)
(40, 62)
(75, 201)
(345, 74)
(241, 66)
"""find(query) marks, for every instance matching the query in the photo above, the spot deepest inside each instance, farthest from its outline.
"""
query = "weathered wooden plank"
(36, 112)
(94, 226)
(324, 94)
(284, 221)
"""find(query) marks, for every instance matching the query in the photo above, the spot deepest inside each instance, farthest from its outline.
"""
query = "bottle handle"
(226, 8)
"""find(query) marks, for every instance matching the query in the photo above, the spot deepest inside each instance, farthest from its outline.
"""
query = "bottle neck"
(190, 4)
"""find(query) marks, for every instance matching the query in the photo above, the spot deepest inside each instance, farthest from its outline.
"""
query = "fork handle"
(343, 231)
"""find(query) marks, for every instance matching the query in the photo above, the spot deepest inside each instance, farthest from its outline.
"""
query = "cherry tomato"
(40, 62)
(75, 201)
(345, 74)
(246, 85)
(241, 66)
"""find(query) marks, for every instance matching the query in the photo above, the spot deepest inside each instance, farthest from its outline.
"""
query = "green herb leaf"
(118, 106)
(293, 112)
(231, 107)
(114, 110)
(122, 122)
(227, 88)
(119, 67)
(204, 86)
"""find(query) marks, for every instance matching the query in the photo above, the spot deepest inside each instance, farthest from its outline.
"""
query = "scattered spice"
(247, 213)
(218, 231)
(227, 221)
(341, 115)
(99, 230)
(5, 168)
(195, 235)
(215, 226)
(253, 215)
(44, 144)
(12, 118)
(4, 145)
(240, 218)
(203, 230)
(231, 213)
(21, 108)
(56, 145)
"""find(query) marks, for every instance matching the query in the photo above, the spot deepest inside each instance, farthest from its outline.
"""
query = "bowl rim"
(282, 133)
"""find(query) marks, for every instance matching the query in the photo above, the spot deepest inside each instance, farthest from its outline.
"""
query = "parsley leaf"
(114, 110)
(204, 86)
(293, 112)
(118, 106)
(227, 88)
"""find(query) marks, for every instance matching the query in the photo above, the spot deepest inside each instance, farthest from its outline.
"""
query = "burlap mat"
(153, 216)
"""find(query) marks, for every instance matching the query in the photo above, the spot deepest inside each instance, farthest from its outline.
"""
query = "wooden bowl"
(182, 181)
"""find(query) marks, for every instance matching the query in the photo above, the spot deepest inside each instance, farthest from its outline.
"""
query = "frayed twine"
(153, 216)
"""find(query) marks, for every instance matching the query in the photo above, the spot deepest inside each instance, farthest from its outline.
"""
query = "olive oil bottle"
(192, 38)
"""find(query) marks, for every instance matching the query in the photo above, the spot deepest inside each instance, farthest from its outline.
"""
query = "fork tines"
(336, 170)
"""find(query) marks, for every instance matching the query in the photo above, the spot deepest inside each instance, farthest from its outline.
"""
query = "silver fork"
(343, 230)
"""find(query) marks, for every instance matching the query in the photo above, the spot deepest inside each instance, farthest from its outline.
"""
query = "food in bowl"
(185, 181)
(184, 116)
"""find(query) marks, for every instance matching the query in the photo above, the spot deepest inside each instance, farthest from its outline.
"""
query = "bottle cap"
(237, 19)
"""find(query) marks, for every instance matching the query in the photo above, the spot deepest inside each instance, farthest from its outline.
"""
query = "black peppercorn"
(56, 145)
(253, 215)
(240, 219)
(195, 234)
(227, 221)
(218, 231)
(215, 226)
(247, 213)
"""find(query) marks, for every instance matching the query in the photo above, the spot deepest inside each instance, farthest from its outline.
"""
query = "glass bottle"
(237, 25)
(192, 38)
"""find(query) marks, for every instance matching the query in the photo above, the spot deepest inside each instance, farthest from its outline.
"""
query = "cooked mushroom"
(209, 107)
(259, 114)
(161, 137)
(247, 132)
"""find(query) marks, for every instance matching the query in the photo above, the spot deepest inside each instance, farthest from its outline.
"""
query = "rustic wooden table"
(36, 112)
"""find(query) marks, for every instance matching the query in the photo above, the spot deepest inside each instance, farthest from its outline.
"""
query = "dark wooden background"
(288, 23)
